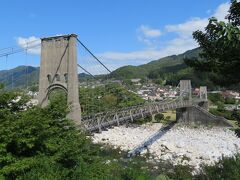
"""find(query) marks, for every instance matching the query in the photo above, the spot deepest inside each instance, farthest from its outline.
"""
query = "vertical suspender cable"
(26, 63)
(6, 76)
(12, 80)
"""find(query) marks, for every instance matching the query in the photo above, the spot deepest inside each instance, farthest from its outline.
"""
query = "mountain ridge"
(22, 76)
(141, 71)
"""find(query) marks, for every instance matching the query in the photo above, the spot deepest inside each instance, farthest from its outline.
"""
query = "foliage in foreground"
(42, 144)
(227, 168)
(220, 43)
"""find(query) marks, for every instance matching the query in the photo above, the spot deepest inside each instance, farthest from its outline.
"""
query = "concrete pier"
(58, 70)
(199, 115)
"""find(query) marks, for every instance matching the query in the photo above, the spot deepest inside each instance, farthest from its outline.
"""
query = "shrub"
(237, 131)
(229, 100)
(41, 143)
(159, 117)
(216, 98)
(224, 113)
(227, 168)
(236, 116)
(167, 118)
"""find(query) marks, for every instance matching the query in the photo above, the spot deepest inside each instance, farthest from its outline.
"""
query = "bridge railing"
(100, 121)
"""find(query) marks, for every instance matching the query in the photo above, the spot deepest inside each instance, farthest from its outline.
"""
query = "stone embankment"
(180, 145)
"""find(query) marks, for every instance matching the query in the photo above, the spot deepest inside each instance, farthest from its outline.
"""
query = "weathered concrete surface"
(185, 89)
(203, 93)
(197, 115)
(58, 70)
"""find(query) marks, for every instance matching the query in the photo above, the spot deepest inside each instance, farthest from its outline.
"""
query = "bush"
(220, 107)
(227, 168)
(167, 118)
(216, 98)
(224, 113)
(236, 116)
(41, 143)
(237, 131)
(143, 120)
(159, 117)
(229, 100)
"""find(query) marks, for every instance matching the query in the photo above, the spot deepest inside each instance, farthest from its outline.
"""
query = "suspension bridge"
(59, 70)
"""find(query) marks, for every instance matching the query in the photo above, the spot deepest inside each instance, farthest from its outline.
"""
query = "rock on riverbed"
(180, 145)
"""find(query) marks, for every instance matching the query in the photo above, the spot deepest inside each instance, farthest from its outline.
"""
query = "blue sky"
(119, 32)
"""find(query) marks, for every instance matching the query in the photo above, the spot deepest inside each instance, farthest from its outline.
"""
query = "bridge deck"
(107, 119)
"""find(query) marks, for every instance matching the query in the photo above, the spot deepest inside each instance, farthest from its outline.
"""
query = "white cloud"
(185, 29)
(141, 55)
(32, 44)
(180, 44)
(150, 37)
(221, 12)
(174, 46)
(149, 32)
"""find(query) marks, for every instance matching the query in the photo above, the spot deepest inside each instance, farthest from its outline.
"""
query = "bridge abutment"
(199, 115)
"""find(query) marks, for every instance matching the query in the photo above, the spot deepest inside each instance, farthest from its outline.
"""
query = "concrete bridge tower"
(185, 89)
(58, 70)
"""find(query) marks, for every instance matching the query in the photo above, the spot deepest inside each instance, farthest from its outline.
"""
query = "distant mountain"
(170, 69)
(23, 76)
(83, 75)
(167, 64)
(19, 77)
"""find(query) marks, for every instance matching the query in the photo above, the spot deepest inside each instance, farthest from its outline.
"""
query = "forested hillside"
(171, 62)
(23, 76)
(168, 69)
(19, 77)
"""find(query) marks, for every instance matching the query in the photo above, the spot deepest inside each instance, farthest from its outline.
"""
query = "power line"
(18, 50)
(93, 55)
(23, 44)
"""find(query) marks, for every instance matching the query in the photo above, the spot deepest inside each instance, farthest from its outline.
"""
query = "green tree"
(236, 116)
(106, 98)
(1, 86)
(159, 117)
(220, 44)
(229, 100)
(110, 100)
(216, 98)
(39, 143)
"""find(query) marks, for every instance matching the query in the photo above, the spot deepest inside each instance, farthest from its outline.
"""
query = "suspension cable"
(6, 76)
(26, 64)
(12, 80)
(93, 55)
(86, 71)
